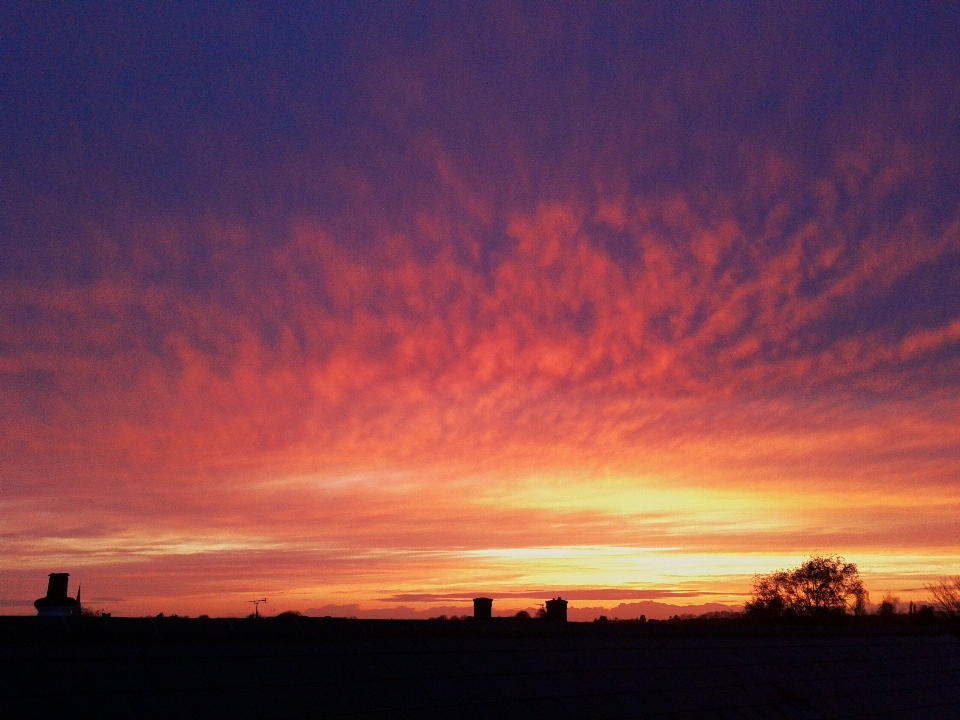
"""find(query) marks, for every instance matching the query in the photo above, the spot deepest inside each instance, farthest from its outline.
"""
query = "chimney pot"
(57, 585)
(56, 603)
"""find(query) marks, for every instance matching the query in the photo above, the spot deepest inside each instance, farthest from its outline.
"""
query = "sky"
(369, 311)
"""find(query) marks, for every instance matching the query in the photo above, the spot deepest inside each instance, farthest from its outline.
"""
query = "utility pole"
(256, 606)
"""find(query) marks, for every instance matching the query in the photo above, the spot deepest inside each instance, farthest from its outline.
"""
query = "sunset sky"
(370, 312)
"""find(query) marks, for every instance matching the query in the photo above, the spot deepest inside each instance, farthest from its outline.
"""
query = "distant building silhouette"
(57, 603)
(556, 610)
(482, 608)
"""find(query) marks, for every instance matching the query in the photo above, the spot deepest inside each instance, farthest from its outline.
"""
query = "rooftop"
(296, 667)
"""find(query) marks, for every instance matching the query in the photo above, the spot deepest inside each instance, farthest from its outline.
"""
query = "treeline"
(825, 587)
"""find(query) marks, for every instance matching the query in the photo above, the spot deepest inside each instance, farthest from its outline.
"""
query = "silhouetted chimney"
(57, 603)
(57, 585)
(556, 610)
(482, 608)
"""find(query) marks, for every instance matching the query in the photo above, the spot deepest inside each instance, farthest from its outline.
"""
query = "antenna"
(256, 606)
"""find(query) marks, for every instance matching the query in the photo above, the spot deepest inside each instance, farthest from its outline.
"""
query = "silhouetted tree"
(946, 595)
(924, 613)
(888, 607)
(821, 586)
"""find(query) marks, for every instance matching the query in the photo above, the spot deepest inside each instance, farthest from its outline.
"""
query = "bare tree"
(820, 586)
(946, 595)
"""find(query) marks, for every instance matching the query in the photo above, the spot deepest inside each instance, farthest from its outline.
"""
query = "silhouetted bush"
(90, 612)
(720, 615)
(921, 612)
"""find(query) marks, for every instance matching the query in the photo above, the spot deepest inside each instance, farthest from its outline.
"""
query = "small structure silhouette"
(256, 606)
(482, 608)
(57, 603)
(556, 610)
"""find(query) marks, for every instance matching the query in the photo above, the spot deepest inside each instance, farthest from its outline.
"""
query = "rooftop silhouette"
(294, 667)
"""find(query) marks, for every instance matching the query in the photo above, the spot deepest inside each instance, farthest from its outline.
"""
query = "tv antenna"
(256, 606)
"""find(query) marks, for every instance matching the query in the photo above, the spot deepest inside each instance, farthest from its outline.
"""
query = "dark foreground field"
(296, 667)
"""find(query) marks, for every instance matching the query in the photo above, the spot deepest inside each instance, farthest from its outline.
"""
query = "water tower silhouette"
(556, 610)
(482, 608)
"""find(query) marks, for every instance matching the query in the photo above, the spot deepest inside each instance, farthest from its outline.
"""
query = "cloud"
(577, 594)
